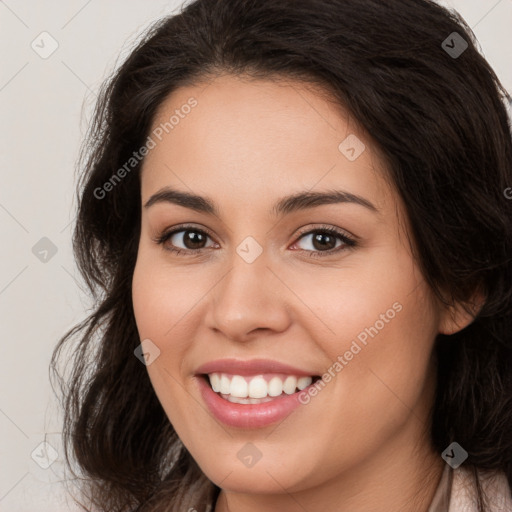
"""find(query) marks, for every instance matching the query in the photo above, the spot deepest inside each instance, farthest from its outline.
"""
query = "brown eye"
(193, 239)
(325, 241)
(184, 239)
(322, 240)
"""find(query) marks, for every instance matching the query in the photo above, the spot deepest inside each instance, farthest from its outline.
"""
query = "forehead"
(247, 139)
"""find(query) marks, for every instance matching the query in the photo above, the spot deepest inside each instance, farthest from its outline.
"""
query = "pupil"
(193, 238)
(319, 237)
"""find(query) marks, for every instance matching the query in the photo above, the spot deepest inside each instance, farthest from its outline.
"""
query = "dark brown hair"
(440, 121)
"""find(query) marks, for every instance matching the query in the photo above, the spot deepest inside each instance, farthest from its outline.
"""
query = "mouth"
(252, 393)
(256, 389)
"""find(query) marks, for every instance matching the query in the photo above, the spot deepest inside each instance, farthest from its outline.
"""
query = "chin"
(270, 476)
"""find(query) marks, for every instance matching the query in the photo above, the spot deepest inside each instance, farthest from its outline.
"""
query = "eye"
(189, 240)
(192, 240)
(325, 241)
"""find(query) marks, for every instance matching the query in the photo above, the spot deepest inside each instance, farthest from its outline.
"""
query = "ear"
(458, 316)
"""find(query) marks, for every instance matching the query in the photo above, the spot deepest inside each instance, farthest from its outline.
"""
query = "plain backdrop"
(45, 103)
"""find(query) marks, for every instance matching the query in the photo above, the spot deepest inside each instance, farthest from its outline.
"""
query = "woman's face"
(263, 298)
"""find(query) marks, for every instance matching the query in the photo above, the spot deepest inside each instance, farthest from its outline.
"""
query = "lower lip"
(248, 415)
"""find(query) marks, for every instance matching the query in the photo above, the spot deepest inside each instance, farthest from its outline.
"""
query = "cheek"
(380, 319)
(390, 372)
(163, 296)
(166, 302)
(159, 304)
(384, 292)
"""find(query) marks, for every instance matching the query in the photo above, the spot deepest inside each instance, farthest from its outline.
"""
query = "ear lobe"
(461, 314)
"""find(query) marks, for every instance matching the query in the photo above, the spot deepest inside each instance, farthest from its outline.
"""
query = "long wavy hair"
(440, 122)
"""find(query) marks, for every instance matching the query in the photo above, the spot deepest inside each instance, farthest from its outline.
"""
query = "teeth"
(304, 382)
(215, 382)
(289, 385)
(257, 387)
(244, 389)
(236, 400)
(275, 386)
(239, 387)
(225, 384)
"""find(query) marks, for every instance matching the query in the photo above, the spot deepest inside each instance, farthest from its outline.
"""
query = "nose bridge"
(245, 298)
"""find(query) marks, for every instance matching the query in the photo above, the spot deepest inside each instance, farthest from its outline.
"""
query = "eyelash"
(347, 241)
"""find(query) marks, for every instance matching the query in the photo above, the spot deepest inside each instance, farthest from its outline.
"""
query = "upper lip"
(250, 367)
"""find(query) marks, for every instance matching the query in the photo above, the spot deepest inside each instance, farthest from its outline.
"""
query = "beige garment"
(456, 491)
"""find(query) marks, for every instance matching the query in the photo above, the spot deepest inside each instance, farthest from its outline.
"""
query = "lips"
(252, 367)
(251, 394)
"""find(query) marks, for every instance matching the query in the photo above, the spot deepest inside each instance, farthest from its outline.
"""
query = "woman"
(293, 219)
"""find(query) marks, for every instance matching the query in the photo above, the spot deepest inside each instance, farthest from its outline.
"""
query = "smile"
(252, 394)
(256, 389)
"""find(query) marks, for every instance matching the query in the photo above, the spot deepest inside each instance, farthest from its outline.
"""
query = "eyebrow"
(284, 206)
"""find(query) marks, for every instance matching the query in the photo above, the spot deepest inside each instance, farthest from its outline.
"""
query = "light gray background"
(45, 109)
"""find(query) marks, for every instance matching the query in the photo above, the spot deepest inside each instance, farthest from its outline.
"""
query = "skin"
(362, 443)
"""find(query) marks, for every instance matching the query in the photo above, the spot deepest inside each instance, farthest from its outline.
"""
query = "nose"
(248, 300)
